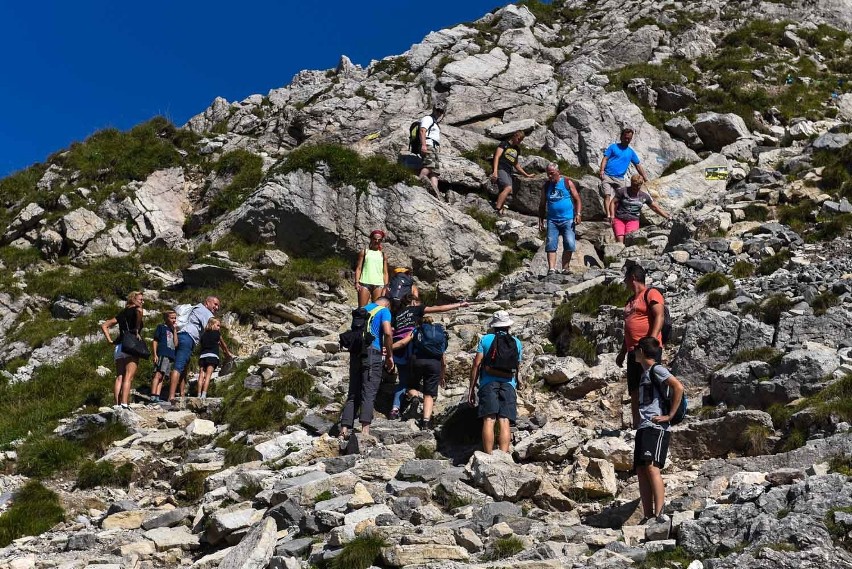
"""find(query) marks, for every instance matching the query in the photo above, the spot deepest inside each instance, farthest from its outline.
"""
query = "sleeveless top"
(373, 268)
(127, 322)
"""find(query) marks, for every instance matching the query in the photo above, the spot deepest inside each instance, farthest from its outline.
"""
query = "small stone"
(361, 497)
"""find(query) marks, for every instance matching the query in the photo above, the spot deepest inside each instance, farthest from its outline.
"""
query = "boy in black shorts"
(652, 436)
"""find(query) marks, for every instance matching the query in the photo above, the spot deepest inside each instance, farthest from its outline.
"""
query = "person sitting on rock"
(504, 165)
(652, 437)
(407, 318)
(495, 372)
(560, 204)
(371, 272)
(364, 386)
(430, 146)
(625, 206)
(129, 321)
(616, 161)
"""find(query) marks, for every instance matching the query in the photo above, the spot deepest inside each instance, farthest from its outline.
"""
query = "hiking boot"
(426, 424)
(551, 272)
(662, 519)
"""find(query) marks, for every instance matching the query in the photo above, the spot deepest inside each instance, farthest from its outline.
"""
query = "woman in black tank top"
(129, 321)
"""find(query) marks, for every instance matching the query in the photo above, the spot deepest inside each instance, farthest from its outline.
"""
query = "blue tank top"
(560, 206)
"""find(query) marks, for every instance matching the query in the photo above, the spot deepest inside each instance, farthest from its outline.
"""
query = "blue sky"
(72, 68)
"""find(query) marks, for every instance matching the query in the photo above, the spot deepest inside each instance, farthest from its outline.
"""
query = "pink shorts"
(621, 228)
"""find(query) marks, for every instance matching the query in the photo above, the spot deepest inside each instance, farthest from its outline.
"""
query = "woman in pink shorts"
(626, 204)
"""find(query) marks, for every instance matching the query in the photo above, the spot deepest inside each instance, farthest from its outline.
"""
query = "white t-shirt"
(433, 131)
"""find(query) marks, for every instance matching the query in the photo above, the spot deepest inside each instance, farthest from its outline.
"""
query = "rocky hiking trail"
(745, 125)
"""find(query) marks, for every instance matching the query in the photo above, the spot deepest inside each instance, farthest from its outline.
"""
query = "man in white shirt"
(430, 146)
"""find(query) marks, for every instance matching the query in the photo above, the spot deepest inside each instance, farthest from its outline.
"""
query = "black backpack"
(355, 339)
(502, 358)
(666, 393)
(666, 330)
(398, 287)
(415, 144)
(430, 340)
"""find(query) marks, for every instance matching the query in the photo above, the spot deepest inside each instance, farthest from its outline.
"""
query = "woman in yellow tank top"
(371, 273)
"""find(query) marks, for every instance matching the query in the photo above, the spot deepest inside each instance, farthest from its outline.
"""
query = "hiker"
(163, 349)
(643, 316)
(411, 364)
(208, 359)
(652, 436)
(400, 285)
(378, 352)
(626, 205)
(129, 321)
(495, 371)
(560, 204)
(371, 272)
(616, 160)
(504, 165)
(430, 146)
(188, 336)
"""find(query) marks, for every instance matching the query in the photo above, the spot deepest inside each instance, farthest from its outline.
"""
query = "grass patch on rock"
(509, 262)
(769, 265)
(823, 301)
(359, 553)
(769, 311)
(765, 354)
(34, 510)
(487, 220)
(266, 409)
(93, 474)
(713, 281)
(245, 170)
(742, 269)
(504, 547)
(345, 167)
(191, 484)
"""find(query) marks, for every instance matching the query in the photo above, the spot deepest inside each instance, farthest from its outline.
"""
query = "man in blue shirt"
(365, 379)
(560, 204)
(617, 159)
(497, 398)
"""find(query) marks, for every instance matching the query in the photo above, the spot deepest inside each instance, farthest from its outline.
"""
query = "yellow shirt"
(373, 268)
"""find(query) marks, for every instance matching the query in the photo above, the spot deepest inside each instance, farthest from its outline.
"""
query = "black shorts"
(498, 398)
(634, 372)
(203, 363)
(652, 447)
(428, 371)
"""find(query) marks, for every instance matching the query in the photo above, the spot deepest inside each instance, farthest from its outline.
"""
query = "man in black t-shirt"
(504, 164)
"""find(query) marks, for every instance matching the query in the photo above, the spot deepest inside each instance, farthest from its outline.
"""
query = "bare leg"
(501, 199)
(505, 434)
(377, 292)
(566, 259)
(130, 371)
(363, 296)
(619, 238)
(488, 434)
(174, 378)
(658, 489)
(645, 491)
(365, 429)
(116, 390)
(428, 402)
(156, 383)
(551, 260)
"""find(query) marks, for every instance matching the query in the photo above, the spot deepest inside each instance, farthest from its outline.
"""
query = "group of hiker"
(173, 344)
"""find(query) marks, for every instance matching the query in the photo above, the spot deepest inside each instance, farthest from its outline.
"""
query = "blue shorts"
(558, 227)
(183, 351)
(498, 398)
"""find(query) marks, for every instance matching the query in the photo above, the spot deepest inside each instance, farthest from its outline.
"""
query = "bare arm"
(542, 207)
(657, 316)
(497, 154)
(603, 167)
(474, 375)
(106, 326)
(423, 133)
(518, 168)
(154, 351)
(224, 347)
(402, 342)
(387, 332)
(641, 170)
(358, 268)
(385, 268)
(578, 204)
(677, 396)
(445, 307)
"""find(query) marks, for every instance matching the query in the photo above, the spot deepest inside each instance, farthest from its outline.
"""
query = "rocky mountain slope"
(266, 202)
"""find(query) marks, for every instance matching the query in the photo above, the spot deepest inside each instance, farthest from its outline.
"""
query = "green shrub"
(796, 438)
(113, 156)
(392, 66)
(327, 270)
(716, 299)
(829, 228)
(842, 464)
(765, 354)
(323, 496)
(93, 474)
(504, 547)
(483, 155)
(781, 414)
(770, 264)
(19, 258)
(756, 438)
(713, 281)
(249, 410)
(166, 258)
(108, 279)
(347, 167)
(20, 185)
(293, 381)
(488, 221)
(34, 510)
(590, 300)
(754, 212)
(656, 559)
(580, 347)
(799, 216)
(40, 457)
(424, 452)
(238, 453)
(823, 301)
(191, 484)
(250, 490)
(769, 311)
(53, 393)
(359, 553)
(742, 270)
(246, 171)
(509, 261)
(674, 166)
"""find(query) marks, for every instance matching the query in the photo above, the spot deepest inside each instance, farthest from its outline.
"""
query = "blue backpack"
(666, 392)
(430, 340)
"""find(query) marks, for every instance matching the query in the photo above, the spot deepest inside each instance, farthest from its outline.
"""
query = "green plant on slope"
(34, 510)
(246, 170)
(359, 553)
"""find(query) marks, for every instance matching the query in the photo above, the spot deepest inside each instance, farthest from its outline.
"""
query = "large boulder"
(499, 476)
(79, 227)
(691, 183)
(162, 203)
(715, 438)
(255, 550)
(712, 337)
(26, 219)
(832, 329)
(718, 130)
(591, 122)
(303, 215)
(592, 477)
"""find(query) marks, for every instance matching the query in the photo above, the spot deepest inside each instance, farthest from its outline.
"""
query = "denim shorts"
(183, 351)
(555, 228)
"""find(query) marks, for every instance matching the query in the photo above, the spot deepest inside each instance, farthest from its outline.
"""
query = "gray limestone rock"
(79, 227)
(255, 550)
(717, 130)
(715, 438)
